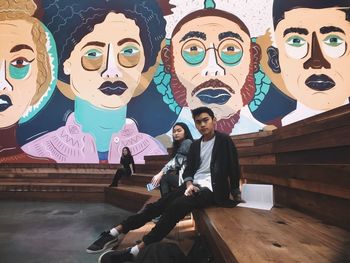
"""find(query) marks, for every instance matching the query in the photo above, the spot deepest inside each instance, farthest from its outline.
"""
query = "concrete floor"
(46, 232)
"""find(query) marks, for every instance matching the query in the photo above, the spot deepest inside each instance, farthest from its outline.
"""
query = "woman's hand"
(156, 179)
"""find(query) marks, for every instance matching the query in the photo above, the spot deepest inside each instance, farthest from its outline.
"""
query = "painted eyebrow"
(193, 34)
(124, 40)
(329, 29)
(229, 34)
(299, 30)
(20, 47)
(94, 43)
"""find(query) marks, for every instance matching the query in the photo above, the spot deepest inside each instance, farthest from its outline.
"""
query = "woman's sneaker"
(104, 241)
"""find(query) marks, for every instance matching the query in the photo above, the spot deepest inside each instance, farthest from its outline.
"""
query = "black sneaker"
(104, 241)
(116, 256)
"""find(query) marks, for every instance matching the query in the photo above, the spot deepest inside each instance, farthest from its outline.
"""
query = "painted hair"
(282, 6)
(69, 23)
(24, 10)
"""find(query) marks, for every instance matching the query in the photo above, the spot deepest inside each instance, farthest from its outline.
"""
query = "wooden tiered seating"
(309, 165)
(77, 182)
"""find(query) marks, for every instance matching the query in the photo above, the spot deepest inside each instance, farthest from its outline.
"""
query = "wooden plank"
(332, 210)
(279, 235)
(259, 159)
(338, 117)
(334, 155)
(324, 139)
(331, 180)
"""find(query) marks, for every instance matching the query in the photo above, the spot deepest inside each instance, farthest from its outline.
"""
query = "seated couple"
(211, 175)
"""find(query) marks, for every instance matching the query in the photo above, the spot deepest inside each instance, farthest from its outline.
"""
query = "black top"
(224, 167)
(126, 161)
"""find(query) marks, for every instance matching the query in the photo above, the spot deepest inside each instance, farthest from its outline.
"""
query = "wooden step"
(329, 138)
(157, 158)
(57, 170)
(149, 168)
(332, 119)
(281, 235)
(333, 180)
(334, 155)
(130, 197)
(137, 179)
(51, 192)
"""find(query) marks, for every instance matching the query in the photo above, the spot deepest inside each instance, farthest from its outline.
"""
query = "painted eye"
(230, 52)
(333, 41)
(296, 41)
(93, 54)
(334, 46)
(193, 52)
(20, 62)
(129, 56)
(130, 51)
(296, 47)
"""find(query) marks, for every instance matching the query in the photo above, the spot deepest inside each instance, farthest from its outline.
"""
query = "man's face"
(314, 56)
(205, 124)
(105, 66)
(211, 59)
(18, 70)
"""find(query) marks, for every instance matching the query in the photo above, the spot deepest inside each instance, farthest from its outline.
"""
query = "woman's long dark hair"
(128, 154)
(188, 135)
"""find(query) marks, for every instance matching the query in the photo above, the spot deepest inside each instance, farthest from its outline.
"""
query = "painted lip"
(113, 88)
(319, 82)
(212, 83)
(5, 102)
(217, 96)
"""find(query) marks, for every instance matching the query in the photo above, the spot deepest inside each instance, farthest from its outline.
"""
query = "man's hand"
(191, 189)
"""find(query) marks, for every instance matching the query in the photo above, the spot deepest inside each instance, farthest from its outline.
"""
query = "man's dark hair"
(70, 21)
(282, 6)
(200, 110)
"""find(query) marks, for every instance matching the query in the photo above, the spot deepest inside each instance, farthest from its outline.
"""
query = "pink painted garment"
(69, 144)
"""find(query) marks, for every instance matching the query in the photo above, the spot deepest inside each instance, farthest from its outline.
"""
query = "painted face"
(105, 66)
(178, 133)
(18, 70)
(314, 56)
(211, 59)
(205, 124)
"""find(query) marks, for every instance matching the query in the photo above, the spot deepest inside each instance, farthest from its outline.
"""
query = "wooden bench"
(280, 235)
(308, 163)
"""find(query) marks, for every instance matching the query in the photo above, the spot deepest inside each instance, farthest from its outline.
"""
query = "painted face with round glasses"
(212, 61)
(105, 69)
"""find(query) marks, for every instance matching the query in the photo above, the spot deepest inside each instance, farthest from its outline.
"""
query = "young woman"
(128, 166)
(168, 177)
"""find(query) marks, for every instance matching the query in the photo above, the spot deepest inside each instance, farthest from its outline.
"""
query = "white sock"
(135, 250)
(114, 232)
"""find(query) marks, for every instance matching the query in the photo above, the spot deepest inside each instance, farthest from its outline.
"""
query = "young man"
(212, 160)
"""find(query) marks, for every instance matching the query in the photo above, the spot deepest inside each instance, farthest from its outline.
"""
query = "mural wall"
(80, 80)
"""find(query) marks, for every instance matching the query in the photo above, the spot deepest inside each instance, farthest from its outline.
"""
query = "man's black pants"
(173, 207)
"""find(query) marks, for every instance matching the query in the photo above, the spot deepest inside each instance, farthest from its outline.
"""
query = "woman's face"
(125, 151)
(178, 133)
(18, 70)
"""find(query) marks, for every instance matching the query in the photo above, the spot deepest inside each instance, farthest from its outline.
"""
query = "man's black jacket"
(224, 167)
